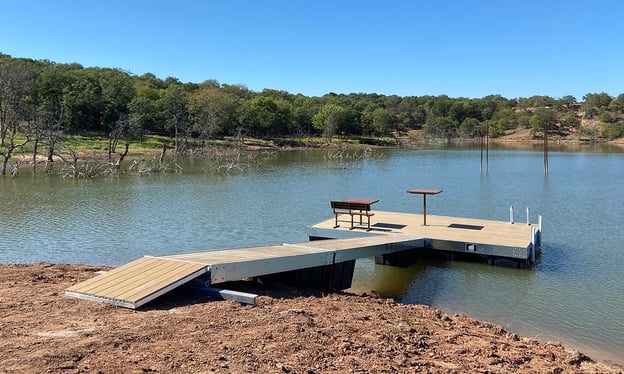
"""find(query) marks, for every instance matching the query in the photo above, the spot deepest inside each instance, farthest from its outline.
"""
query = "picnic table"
(354, 207)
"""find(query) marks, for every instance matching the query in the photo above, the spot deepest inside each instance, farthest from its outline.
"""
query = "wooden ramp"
(147, 278)
(137, 282)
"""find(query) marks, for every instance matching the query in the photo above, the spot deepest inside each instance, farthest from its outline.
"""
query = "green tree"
(378, 121)
(542, 120)
(570, 120)
(617, 104)
(83, 99)
(567, 101)
(302, 113)
(613, 131)
(327, 120)
(145, 115)
(537, 101)
(470, 127)
(267, 115)
(175, 101)
(594, 102)
(459, 111)
(598, 100)
(441, 127)
(490, 105)
(117, 92)
(54, 99)
(441, 105)
(213, 112)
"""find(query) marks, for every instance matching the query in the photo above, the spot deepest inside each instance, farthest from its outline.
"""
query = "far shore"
(521, 139)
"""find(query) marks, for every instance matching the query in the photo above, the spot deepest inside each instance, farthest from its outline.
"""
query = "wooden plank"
(243, 254)
(116, 281)
(140, 288)
(112, 274)
(137, 282)
(446, 228)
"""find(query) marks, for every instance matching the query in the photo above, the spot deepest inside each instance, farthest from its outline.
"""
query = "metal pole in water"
(487, 148)
(511, 217)
(528, 220)
(545, 149)
(481, 159)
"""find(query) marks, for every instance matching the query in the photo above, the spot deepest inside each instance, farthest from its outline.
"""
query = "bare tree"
(45, 125)
(175, 101)
(121, 126)
(122, 156)
(15, 82)
(9, 147)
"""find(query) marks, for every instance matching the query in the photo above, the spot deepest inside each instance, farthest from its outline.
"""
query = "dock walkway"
(140, 281)
(328, 262)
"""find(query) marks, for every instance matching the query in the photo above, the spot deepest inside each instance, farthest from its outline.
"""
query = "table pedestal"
(424, 193)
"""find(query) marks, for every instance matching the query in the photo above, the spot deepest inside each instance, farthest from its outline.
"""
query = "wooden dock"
(147, 278)
(393, 238)
(497, 239)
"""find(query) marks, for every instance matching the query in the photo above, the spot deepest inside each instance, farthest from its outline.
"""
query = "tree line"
(41, 102)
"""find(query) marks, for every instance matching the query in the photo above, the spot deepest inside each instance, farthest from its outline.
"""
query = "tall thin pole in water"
(545, 150)
(487, 148)
(485, 140)
(481, 159)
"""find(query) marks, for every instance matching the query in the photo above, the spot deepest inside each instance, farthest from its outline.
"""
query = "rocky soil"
(288, 331)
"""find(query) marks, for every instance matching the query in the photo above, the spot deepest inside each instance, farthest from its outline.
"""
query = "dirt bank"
(290, 331)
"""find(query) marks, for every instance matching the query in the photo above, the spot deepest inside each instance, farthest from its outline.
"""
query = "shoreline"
(23, 160)
(289, 330)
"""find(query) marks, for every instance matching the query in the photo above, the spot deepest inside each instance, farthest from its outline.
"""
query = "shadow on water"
(431, 275)
(448, 284)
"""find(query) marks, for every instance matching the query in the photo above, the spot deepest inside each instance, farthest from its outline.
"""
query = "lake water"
(574, 294)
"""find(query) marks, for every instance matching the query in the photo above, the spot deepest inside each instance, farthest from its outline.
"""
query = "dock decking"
(144, 279)
(455, 234)
(140, 281)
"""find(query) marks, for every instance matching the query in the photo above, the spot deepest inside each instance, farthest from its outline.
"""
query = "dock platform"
(393, 238)
(495, 239)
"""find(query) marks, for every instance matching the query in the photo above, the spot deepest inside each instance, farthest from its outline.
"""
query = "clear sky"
(409, 47)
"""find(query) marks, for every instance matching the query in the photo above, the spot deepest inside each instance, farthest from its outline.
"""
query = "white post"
(511, 218)
(528, 220)
(539, 223)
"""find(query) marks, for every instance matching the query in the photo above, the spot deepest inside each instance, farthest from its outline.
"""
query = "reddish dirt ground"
(288, 331)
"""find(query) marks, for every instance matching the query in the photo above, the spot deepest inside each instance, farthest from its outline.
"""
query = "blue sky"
(408, 48)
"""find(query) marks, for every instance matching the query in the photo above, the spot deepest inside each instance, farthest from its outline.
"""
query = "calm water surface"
(574, 294)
